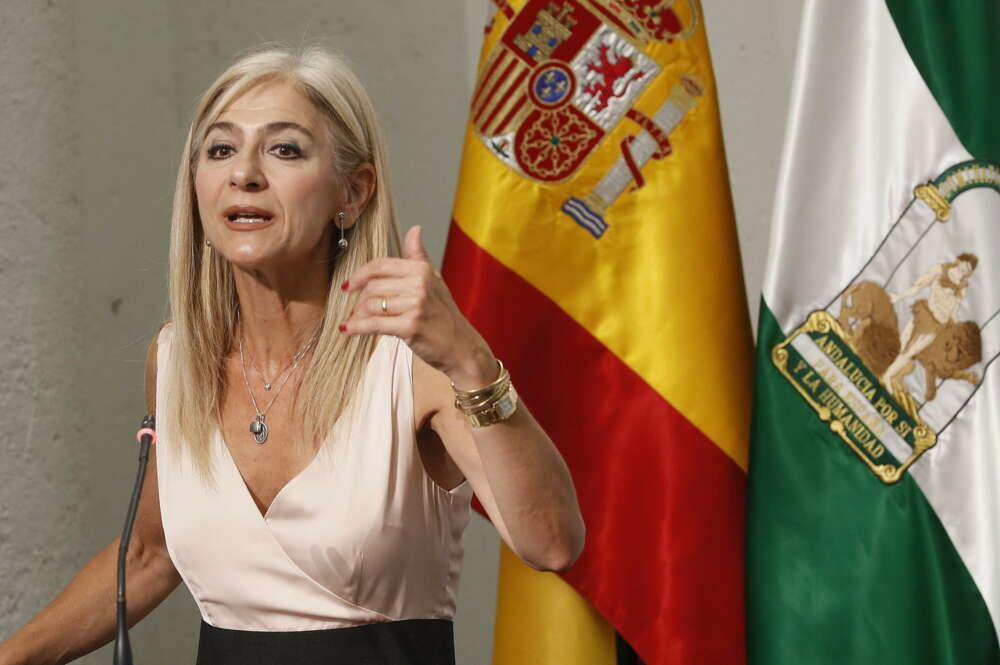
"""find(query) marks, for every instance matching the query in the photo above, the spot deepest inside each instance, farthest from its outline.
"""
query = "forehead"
(270, 102)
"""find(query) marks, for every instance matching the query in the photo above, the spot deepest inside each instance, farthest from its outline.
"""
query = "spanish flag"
(593, 245)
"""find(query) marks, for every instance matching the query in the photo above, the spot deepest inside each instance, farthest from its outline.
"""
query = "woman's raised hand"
(407, 298)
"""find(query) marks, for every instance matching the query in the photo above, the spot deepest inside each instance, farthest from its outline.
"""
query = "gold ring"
(385, 307)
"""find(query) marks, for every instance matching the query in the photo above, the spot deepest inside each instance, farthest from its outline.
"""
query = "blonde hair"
(203, 299)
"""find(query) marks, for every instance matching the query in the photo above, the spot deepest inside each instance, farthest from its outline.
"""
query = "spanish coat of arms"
(563, 75)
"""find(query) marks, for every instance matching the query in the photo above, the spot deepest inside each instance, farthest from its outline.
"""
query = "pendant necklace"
(257, 426)
(291, 364)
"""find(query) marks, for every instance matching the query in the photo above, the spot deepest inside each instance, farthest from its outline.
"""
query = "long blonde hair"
(203, 299)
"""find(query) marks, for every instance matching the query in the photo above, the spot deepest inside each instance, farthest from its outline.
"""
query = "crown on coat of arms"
(656, 20)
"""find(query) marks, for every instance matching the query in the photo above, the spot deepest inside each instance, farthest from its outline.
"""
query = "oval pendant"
(259, 431)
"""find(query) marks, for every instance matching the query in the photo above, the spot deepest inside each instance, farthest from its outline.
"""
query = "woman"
(324, 410)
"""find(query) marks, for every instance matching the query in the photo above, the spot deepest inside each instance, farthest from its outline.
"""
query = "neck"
(279, 312)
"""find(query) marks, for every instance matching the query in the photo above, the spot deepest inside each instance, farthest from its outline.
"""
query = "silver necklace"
(291, 363)
(257, 427)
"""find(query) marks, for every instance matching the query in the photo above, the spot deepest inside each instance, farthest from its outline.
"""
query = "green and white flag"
(874, 523)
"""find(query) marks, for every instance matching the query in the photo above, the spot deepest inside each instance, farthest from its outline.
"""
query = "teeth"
(248, 220)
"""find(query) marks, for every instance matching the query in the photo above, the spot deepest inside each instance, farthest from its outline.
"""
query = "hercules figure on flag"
(934, 318)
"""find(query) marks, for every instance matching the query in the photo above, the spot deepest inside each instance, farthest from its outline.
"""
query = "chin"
(252, 258)
(257, 258)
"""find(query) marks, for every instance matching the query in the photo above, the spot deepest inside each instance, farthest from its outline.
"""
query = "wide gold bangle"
(488, 405)
(496, 412)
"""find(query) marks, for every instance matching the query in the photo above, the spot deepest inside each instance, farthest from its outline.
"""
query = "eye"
(287, 150)
(213, 151)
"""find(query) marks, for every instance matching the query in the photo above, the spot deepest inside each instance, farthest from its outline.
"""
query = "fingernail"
(343, 287)
(342, 327)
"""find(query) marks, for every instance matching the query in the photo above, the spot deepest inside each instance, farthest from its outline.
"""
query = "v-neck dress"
(361, 542)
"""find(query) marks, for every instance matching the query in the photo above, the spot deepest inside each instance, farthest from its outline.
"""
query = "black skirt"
(410, 642)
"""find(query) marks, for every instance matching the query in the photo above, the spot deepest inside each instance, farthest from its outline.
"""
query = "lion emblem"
(944, 346)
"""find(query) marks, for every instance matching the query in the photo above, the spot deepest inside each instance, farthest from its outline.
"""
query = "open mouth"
(248, 218)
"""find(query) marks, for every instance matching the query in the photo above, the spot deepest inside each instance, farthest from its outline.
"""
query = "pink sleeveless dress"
(361, 536)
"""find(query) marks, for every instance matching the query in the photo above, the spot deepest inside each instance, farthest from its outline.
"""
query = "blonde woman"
(324, 411)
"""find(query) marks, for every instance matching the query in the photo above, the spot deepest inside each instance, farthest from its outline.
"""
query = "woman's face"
(267, 190)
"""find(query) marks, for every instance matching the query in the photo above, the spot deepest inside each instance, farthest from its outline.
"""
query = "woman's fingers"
(388, 286)
(405, 298)
(378, 268)
(413, 245)
(402, 326)
(387, 305)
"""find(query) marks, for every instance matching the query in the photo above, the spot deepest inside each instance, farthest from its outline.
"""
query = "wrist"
(490, 404)
(476, 369)
(30, 646)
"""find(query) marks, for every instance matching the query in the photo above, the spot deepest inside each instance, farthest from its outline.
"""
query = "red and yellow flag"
(593, 244)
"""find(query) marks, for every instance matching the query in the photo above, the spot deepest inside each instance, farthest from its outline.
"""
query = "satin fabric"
(864, 131)
(662, 503)
(632, 343)
(662, 289)
(361, 535)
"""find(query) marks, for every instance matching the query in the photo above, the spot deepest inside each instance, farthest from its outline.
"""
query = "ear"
(360, 189)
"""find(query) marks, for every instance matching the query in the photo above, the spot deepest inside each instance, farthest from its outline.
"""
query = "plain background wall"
(95, 102)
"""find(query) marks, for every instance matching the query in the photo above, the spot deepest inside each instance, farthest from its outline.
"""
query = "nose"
(246, 173)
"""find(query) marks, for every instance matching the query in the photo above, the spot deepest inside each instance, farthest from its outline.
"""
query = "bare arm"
(923, 282)
(82, 617)
(514, 468)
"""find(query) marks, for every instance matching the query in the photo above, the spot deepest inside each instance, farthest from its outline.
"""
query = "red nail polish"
(343, 287)
(342, 327)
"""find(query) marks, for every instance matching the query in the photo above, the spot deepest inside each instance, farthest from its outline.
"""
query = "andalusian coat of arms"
(896, 356)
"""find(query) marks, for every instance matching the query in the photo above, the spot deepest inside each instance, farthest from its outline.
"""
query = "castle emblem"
(895, 357)
(563, 75)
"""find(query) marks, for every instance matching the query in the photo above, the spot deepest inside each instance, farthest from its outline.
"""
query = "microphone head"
(147, 429)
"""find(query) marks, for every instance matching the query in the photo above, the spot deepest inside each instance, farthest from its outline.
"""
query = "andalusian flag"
(593, 244)
(874, 531)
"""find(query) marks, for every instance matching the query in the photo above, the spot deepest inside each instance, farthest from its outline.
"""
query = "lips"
(247, 218)
(248, 213)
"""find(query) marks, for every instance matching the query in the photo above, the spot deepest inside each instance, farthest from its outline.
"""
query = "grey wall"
(753, 52)
(95, 100)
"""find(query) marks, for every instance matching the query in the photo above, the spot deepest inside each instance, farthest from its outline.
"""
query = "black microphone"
(146, 437)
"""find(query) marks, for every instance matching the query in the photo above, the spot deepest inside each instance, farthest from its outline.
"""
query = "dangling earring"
(342, 243)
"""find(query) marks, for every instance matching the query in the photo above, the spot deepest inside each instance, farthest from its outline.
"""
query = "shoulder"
(151, 370)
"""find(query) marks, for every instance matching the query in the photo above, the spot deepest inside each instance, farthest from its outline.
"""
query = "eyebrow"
(270, 127)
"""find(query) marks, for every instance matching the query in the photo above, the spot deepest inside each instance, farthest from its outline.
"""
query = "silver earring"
(208, 243)
(342, 243)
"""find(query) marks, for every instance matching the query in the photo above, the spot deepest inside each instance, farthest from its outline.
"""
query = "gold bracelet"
(496, 411)
(488, 405)
(485, 402)
(479, 392)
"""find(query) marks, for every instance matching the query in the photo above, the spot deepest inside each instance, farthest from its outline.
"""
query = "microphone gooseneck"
(146, 437)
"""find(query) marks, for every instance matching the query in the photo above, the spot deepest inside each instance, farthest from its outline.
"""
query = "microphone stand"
(146, 437)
